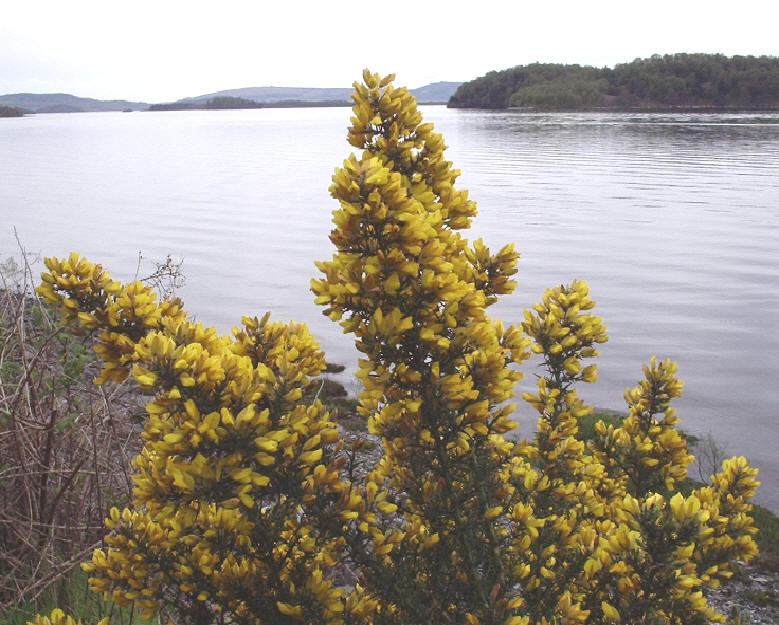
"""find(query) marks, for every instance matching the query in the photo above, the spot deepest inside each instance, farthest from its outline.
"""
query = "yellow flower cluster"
(121, 314)
(574, 502)
(649, 558)
(612, 514)
(730, 535)
(564, 334)
(645, 449)
(436, 372)
(703, 533)
(58, 617)
(238, 498)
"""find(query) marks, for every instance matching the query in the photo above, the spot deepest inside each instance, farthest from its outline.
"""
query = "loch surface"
(672, 219)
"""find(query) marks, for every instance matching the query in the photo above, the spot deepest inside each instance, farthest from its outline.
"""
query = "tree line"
(10, 111)
(220, 102)
(671, 80)
(230, 102)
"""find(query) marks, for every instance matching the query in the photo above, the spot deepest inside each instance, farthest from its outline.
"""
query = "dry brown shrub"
(65, 446)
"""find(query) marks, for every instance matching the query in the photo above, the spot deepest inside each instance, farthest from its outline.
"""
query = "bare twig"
(167, 277)
(59, 471)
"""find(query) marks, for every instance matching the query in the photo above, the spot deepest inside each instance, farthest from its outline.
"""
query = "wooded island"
(218, 103)
(10, 111)
(669, 81)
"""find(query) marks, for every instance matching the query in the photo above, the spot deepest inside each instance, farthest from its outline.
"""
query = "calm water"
(672, 219)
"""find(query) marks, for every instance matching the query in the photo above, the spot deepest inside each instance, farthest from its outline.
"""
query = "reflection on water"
(673, 219)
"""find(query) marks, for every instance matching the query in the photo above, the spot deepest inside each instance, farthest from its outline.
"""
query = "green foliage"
(494, 90)
(768, 535)
(564, 93)
(83, 606)
(673, 80)
(587, 423)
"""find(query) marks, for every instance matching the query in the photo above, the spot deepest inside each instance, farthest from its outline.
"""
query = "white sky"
(163, 50)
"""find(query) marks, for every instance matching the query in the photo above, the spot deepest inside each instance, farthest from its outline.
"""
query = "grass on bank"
(73, 595)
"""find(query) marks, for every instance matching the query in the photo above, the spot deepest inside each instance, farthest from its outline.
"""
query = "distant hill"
(66, 103)
(666, 82)
(438, 92)
(270, 95)
(435, 93)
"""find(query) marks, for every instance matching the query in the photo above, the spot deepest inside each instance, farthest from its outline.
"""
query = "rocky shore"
(750, 597)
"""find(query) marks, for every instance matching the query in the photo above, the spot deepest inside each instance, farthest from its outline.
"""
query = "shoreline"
(625, 109)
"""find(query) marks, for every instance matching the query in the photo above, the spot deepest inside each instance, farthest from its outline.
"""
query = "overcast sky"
(163, 50)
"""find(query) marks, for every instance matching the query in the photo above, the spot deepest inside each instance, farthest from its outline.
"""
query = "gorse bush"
(242, 513)
(234, 492)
